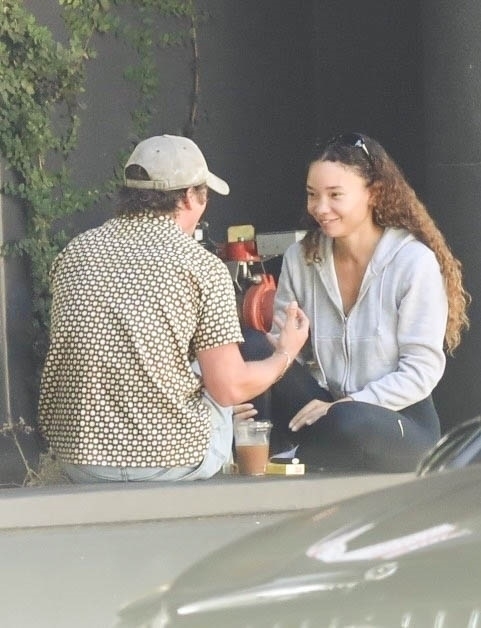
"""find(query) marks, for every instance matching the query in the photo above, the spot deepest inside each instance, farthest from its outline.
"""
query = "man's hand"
(293, 331)
(243, 412)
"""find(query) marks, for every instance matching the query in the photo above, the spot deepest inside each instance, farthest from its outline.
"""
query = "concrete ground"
(71, 555)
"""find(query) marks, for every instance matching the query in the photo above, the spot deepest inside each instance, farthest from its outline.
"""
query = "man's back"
(134, 300)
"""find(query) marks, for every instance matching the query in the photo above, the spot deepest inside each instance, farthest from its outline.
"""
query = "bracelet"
(287, 365)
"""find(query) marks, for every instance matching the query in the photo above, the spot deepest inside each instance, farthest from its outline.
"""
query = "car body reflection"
(459, 447)
(404, 556)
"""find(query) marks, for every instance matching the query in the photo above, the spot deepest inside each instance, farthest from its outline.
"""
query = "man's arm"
(230, 380)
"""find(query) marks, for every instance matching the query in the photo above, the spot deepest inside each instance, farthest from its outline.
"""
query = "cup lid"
(260, 426)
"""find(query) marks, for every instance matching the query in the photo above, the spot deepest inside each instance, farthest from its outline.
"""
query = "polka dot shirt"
(133, 302)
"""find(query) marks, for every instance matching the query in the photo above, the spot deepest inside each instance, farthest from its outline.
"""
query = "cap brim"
(217, 184)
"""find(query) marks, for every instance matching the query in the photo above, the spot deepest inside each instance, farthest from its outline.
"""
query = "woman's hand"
(243, 412)
(312, 412)
(309, 414)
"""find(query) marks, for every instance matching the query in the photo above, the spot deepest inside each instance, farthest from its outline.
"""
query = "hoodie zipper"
(346, 352)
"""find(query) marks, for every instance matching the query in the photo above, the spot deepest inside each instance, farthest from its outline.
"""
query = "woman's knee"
(346, 419)
(255, 345)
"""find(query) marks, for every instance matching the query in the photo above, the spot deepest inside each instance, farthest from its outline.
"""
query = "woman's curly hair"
(395, 204)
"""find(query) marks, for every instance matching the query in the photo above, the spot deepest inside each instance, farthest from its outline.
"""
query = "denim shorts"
(218, 453)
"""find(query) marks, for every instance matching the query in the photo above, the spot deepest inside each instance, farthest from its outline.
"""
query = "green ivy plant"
(41, 80)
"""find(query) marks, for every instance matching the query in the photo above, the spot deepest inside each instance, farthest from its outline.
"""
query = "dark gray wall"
(258, 70)
(274, 76)
(368, 76)
(452, 92)
(255, 115)
(18, 386)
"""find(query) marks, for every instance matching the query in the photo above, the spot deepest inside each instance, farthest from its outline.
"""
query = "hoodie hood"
(391, 242)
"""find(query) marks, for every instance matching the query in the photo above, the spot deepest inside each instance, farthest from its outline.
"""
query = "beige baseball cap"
(172, 163)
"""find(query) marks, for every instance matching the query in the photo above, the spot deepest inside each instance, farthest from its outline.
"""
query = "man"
(138, 308)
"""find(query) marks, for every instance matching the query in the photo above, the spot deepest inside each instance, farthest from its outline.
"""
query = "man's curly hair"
(135, 202)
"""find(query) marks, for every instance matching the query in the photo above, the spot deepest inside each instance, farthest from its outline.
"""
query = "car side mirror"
(458, 448)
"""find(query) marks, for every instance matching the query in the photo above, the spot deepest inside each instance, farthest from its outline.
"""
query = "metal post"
(5, 404)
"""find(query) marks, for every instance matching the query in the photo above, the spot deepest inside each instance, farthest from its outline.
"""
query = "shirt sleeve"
(218, 317)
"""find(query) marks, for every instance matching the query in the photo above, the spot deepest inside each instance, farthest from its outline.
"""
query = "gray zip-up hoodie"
(389, 349)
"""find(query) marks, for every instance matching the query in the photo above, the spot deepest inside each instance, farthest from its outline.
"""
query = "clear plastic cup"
(251, 440)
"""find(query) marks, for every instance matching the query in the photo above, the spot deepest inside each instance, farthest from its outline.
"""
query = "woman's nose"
(320, 207)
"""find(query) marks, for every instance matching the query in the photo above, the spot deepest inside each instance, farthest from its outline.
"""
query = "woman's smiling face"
(338, 199)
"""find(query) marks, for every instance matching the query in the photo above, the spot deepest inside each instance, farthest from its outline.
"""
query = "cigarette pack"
(285, 469)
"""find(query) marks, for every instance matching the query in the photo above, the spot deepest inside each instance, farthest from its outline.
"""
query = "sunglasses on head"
(351, 139)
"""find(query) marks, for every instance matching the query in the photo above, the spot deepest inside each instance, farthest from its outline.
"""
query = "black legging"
(353, 435)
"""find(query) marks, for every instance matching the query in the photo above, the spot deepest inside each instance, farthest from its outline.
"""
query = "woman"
(384, 297)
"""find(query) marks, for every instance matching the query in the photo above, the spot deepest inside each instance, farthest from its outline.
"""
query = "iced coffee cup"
(252, 446)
